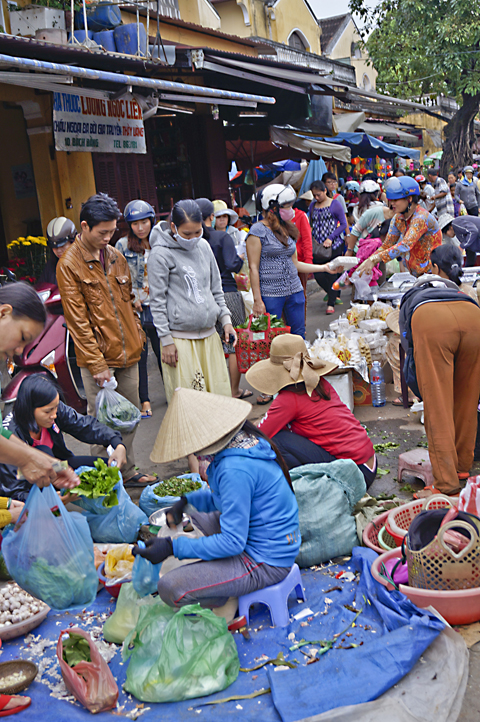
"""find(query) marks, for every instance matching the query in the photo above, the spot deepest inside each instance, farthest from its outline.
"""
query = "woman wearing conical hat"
(249, 516)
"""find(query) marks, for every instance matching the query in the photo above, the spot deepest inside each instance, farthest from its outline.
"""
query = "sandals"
(263, 399)
(245, 394)
(5, 699)
(430, 490)
(146, 413)
(330, 310)
(399, 402)
(136, 480)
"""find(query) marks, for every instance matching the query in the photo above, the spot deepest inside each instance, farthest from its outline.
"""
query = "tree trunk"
(459, 137)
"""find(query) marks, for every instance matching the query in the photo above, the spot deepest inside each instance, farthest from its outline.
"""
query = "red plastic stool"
(417, 462)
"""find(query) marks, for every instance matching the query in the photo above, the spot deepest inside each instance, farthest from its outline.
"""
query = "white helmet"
(275, 193)
(369, 186)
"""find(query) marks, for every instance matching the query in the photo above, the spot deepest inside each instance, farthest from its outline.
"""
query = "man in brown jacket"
(96, 291)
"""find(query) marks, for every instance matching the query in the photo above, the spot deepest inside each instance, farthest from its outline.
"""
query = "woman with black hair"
(447, 262)
(40, 418)
(328, 225)
(22, 319)
(135, 246)
(249, 516)
(186, 300)
(331, 184)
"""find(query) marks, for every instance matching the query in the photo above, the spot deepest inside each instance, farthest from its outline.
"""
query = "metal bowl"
(159, 518)
(17, 665)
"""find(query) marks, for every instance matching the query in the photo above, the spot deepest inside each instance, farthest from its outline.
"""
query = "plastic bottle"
(377, 385)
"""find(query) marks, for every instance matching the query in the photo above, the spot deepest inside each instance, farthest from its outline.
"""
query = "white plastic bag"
(114, 410)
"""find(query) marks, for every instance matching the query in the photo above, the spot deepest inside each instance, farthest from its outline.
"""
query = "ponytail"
(449, 260)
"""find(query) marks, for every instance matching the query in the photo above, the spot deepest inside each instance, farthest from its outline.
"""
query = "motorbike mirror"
(9, 274)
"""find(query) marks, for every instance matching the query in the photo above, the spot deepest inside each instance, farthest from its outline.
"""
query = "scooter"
(52, 354)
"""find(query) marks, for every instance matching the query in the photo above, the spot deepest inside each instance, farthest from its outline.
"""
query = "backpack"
(413, 298)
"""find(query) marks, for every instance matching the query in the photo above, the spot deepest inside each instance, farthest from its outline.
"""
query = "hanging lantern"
(355, 161)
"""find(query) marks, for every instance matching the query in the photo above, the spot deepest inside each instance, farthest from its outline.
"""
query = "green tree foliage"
(427, 48)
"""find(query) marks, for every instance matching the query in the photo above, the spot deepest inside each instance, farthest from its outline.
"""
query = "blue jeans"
(291, 307)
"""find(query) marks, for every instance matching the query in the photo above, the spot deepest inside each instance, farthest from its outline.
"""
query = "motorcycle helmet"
(468, 169)
(420, 179)
(60, 231)
(353, 186)
(138, 210)
(273, 195)
(402, 187)
(369, 186)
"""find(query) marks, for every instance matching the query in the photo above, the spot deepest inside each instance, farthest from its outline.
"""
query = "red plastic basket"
(253, 346)
(372, 530)
(399, 519)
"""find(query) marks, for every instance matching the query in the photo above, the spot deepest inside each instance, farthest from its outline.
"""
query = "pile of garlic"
(16, 605)
(12, 680)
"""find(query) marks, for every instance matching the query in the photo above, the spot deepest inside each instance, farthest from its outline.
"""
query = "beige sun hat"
(221, 209)
(392, 321)
(289, 363)
(307, 196)
(195, 421)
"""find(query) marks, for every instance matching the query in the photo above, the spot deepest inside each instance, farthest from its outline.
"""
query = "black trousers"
(325, 280)
(297, 451)
(152, 335)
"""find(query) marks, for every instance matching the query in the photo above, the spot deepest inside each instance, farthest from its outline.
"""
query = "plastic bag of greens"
(176, 656)
(153, 497)
(49, 553)
(114, 410)
(123, 620)
(111, 524)
(145, 575)
(86, 674)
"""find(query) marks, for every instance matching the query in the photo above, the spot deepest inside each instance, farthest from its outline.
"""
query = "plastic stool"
(275, 598)
(417, 461)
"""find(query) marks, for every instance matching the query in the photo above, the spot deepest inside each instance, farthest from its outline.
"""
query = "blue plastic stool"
(275, 597)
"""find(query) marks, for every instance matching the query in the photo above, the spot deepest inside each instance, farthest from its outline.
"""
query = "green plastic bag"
(126, 613)
(179, 655)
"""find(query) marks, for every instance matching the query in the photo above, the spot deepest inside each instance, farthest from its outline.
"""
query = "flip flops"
(134, 481)
(245, 394)
(5, 699)
(264, 399)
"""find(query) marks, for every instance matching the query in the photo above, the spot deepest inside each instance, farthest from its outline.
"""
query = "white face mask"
(188, 244)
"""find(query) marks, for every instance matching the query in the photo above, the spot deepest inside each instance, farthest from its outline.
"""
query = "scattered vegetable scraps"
(383, 472)
(100, 481)
(383, 448)
(175, 486)
(75, 649)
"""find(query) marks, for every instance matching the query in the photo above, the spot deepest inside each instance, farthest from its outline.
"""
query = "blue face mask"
(188, 244)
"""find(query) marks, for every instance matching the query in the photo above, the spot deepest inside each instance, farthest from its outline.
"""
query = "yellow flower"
(21, 238)
(26, 243)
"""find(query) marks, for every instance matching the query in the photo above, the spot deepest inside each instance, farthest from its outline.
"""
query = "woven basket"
(386, 540)
(372, 530)
(19, 665)
(399, 519)
(436, 566)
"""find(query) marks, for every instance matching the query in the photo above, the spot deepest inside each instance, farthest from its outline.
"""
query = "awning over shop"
(366, 146)
(382, 130)
(348, 122)
(307, 144)
(131, 80)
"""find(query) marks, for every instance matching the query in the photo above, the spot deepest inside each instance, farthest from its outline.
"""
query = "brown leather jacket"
(98, 308)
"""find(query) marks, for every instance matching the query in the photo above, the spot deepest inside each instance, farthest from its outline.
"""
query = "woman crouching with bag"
(249, 517)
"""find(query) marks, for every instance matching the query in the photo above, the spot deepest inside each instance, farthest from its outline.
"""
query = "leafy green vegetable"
(176, 487)
(100, 481)
(383, 472)
(261, 323)
(61, 586)
(117, 412)
(76, 649)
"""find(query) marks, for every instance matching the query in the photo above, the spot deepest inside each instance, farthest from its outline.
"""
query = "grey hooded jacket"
(186, 297)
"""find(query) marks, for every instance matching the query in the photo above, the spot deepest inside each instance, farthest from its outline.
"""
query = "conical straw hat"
(196, 420)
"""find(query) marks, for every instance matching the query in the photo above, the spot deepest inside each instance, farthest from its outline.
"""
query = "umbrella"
(435, 156)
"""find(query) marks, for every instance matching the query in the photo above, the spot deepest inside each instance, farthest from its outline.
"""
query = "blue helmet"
(402, 187)
(138, 210)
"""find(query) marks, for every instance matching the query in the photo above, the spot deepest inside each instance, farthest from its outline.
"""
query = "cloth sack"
(118, 524)
(326, 495)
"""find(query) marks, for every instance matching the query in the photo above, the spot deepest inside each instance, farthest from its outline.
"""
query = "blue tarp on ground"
(394, 634)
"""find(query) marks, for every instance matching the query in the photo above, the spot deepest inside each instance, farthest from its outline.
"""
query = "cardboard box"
(362, 395)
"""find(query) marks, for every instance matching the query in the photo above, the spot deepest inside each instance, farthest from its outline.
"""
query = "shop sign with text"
(97, 124)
